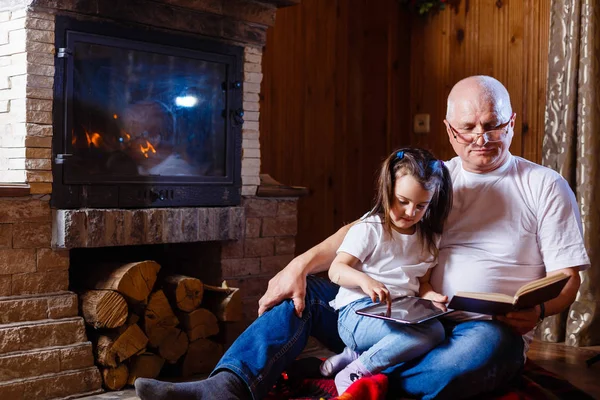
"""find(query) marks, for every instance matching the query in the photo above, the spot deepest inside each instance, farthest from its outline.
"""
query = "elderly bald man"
(512, 221)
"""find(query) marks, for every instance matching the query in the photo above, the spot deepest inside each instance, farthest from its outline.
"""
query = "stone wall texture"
(249, 263)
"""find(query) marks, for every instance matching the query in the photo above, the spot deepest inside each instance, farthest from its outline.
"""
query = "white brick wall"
(26, 80)
(250, 132)
(13, 68)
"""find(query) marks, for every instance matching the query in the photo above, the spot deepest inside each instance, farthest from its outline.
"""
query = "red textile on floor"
(370, 388)
(304, 382)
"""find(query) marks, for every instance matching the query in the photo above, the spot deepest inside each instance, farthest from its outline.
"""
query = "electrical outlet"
(421, 123)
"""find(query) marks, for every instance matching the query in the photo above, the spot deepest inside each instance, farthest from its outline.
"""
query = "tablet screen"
(406, 310)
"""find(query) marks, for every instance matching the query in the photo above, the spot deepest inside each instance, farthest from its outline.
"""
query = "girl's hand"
(375, 289)
(434, 296)
(439, 300)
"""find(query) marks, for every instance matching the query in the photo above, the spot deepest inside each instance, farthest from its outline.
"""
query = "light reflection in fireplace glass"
(143, 114)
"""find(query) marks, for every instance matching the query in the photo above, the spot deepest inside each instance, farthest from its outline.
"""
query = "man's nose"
(481, 139)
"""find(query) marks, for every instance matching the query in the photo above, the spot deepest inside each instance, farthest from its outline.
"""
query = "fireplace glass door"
(147, 116)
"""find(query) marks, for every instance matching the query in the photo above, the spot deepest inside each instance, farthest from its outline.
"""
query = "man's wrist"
(301, 265)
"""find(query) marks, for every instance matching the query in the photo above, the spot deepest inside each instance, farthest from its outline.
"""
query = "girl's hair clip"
(400, 155)
(436, 164)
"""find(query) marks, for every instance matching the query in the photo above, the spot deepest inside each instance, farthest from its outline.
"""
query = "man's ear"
(513, 119)
(449, 131)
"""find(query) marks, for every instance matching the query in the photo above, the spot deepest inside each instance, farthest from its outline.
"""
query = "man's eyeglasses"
(493, 135)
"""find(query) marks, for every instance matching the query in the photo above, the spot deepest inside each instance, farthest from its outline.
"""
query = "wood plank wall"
(507, 39)
(332, 105)
(343, 79)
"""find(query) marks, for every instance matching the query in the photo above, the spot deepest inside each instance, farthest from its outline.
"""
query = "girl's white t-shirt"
(397, 261)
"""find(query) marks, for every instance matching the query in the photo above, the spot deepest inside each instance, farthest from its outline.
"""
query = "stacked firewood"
(140, 323)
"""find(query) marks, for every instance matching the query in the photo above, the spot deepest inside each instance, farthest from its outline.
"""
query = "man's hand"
(289, 283)
(521, 321)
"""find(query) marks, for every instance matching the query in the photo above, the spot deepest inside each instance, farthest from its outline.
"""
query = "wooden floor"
(565, 361)
(569, 363)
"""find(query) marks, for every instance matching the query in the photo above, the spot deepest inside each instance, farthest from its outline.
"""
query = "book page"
(545, 281)
(502, 298)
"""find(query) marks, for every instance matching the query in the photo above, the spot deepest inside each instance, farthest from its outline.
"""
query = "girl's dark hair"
(432, 174)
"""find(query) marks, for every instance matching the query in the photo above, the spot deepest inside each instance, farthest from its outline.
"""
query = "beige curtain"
(572, 147)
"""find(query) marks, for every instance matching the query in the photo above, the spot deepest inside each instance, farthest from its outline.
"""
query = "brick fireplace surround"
(44, 351)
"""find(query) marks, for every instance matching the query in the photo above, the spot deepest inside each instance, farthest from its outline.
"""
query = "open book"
(529, 295)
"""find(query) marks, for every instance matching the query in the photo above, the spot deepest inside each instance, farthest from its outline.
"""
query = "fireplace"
(145, 119)
(91, 165)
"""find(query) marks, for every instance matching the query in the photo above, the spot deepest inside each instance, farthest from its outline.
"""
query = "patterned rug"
(302, 381)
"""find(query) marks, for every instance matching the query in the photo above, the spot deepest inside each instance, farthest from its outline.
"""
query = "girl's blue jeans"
(475, 356)
(382, 343)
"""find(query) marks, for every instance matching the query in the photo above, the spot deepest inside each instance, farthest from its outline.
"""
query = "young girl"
(388, 254)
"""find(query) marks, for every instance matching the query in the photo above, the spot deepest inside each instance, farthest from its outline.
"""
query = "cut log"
(201, 358)
(146, 365)
(133, 280)
(114, 347)
(115, 378)
(224, 302)
(183, 292)
(199, 324)
(132, 319)
(174, 345)
(159, 319)
(103, 308)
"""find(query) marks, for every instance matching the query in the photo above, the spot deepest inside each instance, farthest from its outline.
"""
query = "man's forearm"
(320, 257)
(566, 296)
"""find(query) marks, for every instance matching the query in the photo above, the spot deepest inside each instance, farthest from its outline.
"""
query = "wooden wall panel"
(507, 39)
(344, 78)
(334, 103)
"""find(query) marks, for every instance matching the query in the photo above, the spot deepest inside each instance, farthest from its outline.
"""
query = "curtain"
(571, 146)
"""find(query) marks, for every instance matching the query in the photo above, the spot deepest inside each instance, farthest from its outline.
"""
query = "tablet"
(406, 310)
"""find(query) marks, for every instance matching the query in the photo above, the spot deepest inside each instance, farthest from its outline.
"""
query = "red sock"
(368, 388)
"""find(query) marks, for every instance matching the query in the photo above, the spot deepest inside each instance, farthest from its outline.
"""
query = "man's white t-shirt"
(506, 228)
(398, 262)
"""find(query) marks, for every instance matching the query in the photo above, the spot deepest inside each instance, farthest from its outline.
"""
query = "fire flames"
(95, 139)
(123, 142)
(145, 150)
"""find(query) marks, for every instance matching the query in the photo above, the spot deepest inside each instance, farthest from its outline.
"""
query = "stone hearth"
(44, 351)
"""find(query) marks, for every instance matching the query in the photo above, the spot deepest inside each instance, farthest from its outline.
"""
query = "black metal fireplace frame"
(146, 191)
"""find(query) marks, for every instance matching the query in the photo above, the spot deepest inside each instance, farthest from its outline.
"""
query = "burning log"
(159, 319)
(224, 302)
(133, 280)
(145, 365)
(103, 308)
(183, 291)
(115, 378)
(199, 324)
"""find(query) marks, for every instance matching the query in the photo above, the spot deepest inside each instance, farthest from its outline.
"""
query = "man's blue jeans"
(476, 356)
(382, 343)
